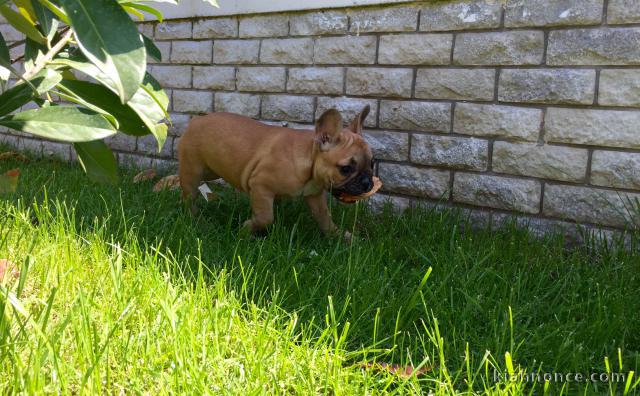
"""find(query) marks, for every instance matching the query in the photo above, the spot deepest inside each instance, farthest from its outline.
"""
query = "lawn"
(121, 290)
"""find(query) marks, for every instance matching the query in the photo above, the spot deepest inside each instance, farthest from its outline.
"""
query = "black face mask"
(359, 184)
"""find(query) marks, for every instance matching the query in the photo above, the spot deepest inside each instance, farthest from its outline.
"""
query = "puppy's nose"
(366, 183)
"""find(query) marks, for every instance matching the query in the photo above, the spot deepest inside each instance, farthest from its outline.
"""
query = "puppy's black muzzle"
(357, 185)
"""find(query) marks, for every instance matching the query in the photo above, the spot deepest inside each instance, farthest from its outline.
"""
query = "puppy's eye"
(345, 170)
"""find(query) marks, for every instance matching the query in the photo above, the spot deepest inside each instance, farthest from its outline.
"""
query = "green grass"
(120, 289)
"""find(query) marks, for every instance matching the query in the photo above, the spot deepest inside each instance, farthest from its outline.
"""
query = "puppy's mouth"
(359, 184)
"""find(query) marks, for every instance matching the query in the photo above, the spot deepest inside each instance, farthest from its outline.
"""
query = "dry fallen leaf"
(12, 155)
(171, 182)
(401, 371)
(7, 268)
(145, 175)
(9, 181)
(346, 198)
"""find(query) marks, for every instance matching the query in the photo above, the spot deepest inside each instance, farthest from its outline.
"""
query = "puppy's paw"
(347, 236)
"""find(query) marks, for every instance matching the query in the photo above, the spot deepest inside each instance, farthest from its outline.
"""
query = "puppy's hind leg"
(190, 178)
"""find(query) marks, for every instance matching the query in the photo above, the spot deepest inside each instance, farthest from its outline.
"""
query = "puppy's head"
(343, 163)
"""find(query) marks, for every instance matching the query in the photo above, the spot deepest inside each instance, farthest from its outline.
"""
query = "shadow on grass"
(553, 309)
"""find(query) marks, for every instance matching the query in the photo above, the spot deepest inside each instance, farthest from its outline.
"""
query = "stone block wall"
(525, 107)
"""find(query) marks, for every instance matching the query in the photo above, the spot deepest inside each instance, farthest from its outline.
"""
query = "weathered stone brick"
(415, 49)
(388, 145)
(345, 50)
(450, 151)
(619, 87)
(167, 166)
(395, 19)
(326, 80)
(236, 51)
(295, 51)
(602, 46)
(165, 51)
(590, 205)
(32, 146)
(10, 140)
(58, 150)
(379, 82)
(191, 51)
(173, 30)
(320, 22)
(121, 142)
(552, 12)
(378, 202)
(349, 108)
(547, 86)
(215, 28)
(264, 26)
(415, 116)
(456, 84)
(522, 47)
(497, 192)
(623, 11)
(239, 103)
(149, 145)
(179, 123)
(549, 162)
(10, 33)
(134, 161)
(214, 77)
(410, 180)
(594, 127)
(261, 79)
(615, 169)
(172, 76)
(287, 107)
(460, 15)
(146, 29)
(515, 123)
(192, 101)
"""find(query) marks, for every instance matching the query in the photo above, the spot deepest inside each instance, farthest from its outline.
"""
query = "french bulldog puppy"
(269, 162)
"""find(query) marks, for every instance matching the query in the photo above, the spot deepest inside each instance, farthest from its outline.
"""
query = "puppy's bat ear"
(328, 129)
(356, 125)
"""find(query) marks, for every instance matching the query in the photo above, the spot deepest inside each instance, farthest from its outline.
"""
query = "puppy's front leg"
(320, 211)
(262, 209)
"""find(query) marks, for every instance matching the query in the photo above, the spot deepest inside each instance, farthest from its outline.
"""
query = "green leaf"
(47, 20)
(22, 24)
(71, 97)
(5, 57)
(56, 10)
(82, 65)
(153, 89)
(98, 161)
(97, 95)
(65, 123)
(150, 103)
(15, 98)
(33, 53)
(152, 50)
(144, 8)
(22, 94)
(110, 40)
(5, 63)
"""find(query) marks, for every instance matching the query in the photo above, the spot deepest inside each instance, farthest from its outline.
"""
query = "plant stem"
(53, 52)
